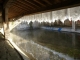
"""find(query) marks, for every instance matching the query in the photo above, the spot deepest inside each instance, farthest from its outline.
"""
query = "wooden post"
(5, 21)
(5, 8)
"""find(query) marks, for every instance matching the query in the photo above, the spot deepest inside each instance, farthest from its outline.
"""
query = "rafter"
(56, 1)
(8, 3)
(14, 14)
(19, 1)
(48, 2)
(40, 3)
(18, 10)
(30, 2)
(22, 6)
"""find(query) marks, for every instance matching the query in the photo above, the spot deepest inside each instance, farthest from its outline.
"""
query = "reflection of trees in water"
(78, 41)
(50, 37)
(61, 42)
(76, 44)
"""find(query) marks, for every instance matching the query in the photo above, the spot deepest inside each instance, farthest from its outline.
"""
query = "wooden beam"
(8, 3)
(17, 10)
(57, 1)
(48, 2)
(22, 6)
(32, 3)
(5, 21)
(26, 4)
(21, 14)
(61, 5)
(17, 15)
(40, 3)
(13, 15)
(66, 4)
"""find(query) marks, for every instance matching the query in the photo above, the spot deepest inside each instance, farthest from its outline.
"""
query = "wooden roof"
(25, 7)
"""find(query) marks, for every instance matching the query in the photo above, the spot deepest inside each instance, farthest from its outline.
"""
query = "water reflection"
(49, 45)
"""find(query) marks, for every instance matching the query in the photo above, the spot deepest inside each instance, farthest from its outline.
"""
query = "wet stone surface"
(6, 51)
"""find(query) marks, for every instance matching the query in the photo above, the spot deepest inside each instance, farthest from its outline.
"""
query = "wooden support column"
(5, 7)
(5, 21)
(5, 17)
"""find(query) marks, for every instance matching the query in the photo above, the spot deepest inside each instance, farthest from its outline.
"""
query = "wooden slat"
(30, 6)
(22, 6)
(17, 11)
(57, 1)
(48, 2)
(8, 3)
(40, 3)
(12, 14)
(25, 4)
(14, 9)
(32, 2)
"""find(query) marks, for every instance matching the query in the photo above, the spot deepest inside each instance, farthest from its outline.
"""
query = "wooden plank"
(22, 6)
(32, 2)
(17, 10)
(8, 3)
(26, 4)
(48, 2)
(40, 3)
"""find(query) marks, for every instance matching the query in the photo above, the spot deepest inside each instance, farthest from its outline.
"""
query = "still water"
(48, 45)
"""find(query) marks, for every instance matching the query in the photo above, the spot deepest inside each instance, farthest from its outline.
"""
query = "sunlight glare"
(17, 47)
